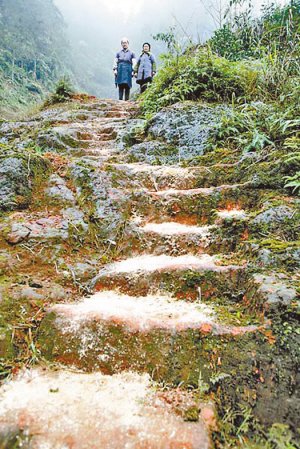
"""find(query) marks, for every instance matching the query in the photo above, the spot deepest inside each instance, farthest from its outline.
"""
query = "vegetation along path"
(140, 298)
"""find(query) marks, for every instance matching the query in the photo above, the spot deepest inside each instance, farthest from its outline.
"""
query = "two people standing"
(126, 66)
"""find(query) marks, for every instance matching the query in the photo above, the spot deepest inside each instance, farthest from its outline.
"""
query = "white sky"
(133, 16)
(95, 27)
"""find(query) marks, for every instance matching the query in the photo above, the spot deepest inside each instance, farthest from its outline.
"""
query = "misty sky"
(109, 20)
(96, 26)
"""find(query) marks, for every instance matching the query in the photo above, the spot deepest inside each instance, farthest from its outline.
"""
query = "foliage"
(33, 50)
(200, 74)
(275, 31)
(63, 92)
(169, 39)
(274, 38)
(255, 126)
(293, 182)
(225, 69)
(236, 45)
(236, 425)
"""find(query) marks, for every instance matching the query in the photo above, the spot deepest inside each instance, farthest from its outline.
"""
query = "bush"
(254, 126)
(63, 92)
(200, 74)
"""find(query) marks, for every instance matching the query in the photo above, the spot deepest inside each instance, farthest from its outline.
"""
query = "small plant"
(293, 182)
(62, 93)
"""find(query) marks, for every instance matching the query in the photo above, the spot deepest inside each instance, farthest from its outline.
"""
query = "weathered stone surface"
(274, 290)
(60, 138)
(58, 293)
(57, 227)
(106, 204)
(185, 125)
(30, 293)
(15, 188)
(75, 217)
(274, 215)
(82, 271)
(173, 310)
(42, 228)
(183, 276)
(153, 152)
(58, 189)
(87, 411)
(113, 332)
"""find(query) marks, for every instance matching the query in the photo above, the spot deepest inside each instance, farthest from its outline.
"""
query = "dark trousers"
(144, 83)
(124, 88)
(143, 87)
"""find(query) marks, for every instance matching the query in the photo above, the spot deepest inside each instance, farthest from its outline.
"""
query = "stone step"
(169, 193)
(64, 409)
(176, 229)
(199, 204)
(155, 177)
(181, 234)
(183, 276)
(169, 238)
(112, 332)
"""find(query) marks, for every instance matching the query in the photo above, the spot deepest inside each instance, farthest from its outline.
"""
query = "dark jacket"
(145, 67)
(124, 65)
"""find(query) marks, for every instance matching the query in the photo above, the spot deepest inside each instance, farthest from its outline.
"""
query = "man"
(123, 69)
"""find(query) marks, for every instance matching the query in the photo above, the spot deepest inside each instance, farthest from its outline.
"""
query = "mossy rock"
(20, 171)
(6, 345)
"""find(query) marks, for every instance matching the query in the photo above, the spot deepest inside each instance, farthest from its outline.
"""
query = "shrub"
(200, 74)
(63, 92)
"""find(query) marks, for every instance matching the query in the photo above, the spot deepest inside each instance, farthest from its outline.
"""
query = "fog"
(95, 28)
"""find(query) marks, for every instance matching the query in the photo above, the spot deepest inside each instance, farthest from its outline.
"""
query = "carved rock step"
(200, 204)
(113, 332)
(176, 229)
(183, 276)
(177, 236)
(91, 411)
(170, 238)
(169, 193)
(162, 177)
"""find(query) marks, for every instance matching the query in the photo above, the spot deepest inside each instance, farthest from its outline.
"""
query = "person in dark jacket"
(145, 68)
(123, 69)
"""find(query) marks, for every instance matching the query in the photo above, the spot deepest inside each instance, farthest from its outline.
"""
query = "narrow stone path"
(158, 317)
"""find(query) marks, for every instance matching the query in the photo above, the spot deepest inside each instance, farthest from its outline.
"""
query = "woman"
(145, 68)
(123, 69)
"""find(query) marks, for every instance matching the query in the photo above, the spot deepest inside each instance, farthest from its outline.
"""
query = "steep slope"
(141, 287)
(33, 51)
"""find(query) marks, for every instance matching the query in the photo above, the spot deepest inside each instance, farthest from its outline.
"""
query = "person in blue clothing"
(123, 69)
(145, 68)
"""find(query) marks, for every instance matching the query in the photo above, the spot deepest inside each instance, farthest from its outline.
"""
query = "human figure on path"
(145, 68)
(123, 69)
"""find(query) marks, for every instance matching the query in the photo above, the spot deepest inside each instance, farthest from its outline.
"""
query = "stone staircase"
(128, 364)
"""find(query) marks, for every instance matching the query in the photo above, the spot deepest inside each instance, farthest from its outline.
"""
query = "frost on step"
(150, 263)
(86, 411)
(171, 228)
(137, 313)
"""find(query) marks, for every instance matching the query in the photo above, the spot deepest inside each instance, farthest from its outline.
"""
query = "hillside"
(126, 246)
(33, 51)
(150, 254)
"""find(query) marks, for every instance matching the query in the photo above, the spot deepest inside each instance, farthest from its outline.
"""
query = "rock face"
(15, 183)
(177, 133)
(58, 189)
(144, 272)
(274, 215)
(185, 125)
